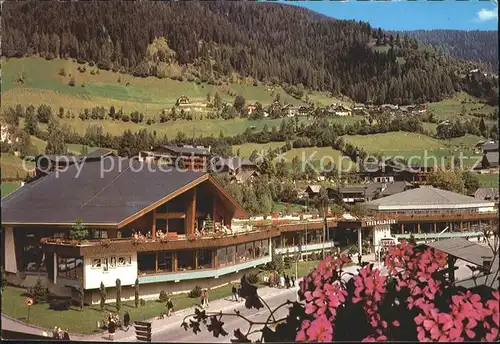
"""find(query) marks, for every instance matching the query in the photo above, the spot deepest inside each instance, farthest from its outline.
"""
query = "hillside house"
(193, 158)
(486, 194)
(250, 108)
(371, 191)
(182, 100)
(240, 170)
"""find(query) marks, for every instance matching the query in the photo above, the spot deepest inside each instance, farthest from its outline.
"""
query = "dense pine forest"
(266, 42)
(479, 46)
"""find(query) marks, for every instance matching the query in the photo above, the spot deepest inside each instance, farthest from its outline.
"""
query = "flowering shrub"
(105, 242)
(411, 301)
(43, 240)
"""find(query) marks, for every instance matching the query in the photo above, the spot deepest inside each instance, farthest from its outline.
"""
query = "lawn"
(393, 142)
(12, 167)
(7, 188)
(452, 107)
(43, 84)
(488, 180)
(77, 321)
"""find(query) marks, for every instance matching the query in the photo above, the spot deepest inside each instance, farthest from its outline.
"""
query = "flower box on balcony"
(105, 242)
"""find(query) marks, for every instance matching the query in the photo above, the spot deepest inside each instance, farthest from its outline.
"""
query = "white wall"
(379, 232)
(94, 276)
(10, 252)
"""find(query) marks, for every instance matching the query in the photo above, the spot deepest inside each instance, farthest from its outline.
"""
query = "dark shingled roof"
(234, 163)
(462, 249)
(187, 150)
(490, 147)
(63, 197)
(99, 153)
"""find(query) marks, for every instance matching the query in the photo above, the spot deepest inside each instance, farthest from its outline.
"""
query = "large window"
(99, 234)
(204, 259)
(240, 253)
(222, 256)
(33, 259)
(185, 260)
(165, 262)
(265, 247)
(70, 267)
(231, 252)
(146, 263)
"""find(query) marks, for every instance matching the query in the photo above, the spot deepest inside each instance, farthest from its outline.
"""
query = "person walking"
(206, 297)
(170, 307)
(111, 328)
(282, 281)
(293, 281)
(359, 259)
(202, 298)
(126, 320)
(234, 291)
(65, 335)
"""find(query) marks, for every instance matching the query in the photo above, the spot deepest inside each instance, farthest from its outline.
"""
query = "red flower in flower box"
(43, 240)
(74, 242)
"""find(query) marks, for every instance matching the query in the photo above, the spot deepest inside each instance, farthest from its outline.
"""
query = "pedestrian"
(282, 281)
(111, 328)
(126, 319)
(234, 291)
(293, 281)
(479, 238)
(170, 307)
(202, 297)
(55, 333)
(239, 293)
(287, 281)
(65, 335)
(359, 259)
(206, 297)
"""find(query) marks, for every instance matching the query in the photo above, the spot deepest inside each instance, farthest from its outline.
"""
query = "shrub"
(59, 305)
(195, 292)
(136, 293)
(91, 63)
(125, 118)
(143, 302)
(92, 72)
(253, 278)
(102, 291)
(163, 296)
(39, 292)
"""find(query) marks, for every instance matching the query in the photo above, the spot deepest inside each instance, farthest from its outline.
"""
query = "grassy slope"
(12, 167)
(451, 108)
(43, 84)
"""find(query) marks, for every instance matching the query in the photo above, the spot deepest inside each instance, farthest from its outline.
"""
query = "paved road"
(174, 333)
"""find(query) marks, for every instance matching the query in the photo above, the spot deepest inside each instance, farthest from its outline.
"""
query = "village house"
(194, 158)
(486, 194)
(239, 170)
(182, 100)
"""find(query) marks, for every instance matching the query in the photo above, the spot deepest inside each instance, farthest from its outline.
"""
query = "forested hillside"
(210, 41)
(478, 46)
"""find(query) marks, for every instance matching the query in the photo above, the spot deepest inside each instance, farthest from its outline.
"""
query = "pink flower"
(320, 330)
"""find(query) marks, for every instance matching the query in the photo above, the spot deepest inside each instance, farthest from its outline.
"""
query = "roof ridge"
(106, 186)
(440, 194)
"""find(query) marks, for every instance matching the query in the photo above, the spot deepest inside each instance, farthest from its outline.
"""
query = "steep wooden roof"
(111, 193)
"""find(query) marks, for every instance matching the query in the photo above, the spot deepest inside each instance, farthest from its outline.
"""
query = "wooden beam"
(156, 261)
(418, 228)
(174, 215)
(175, 261)
(191, 211)
(435, 227)
(153, 233)
(215, 259)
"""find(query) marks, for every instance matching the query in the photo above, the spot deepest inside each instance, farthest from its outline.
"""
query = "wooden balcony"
(180, 242)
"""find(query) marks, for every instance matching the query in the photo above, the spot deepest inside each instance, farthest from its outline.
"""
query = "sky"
(412, 15)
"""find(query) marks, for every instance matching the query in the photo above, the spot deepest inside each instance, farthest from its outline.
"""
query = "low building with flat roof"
(432, 213)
